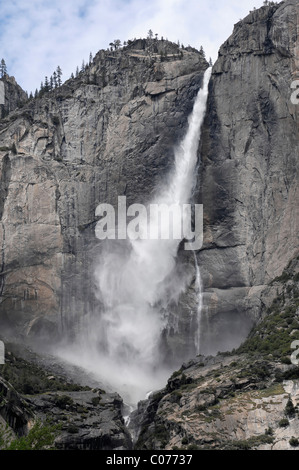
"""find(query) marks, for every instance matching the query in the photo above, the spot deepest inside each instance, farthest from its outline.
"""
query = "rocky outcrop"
(246, 399)
(14, 410)
(110, 132)
(42, 396)
(223, 403)
(88, 420)
(249, 173)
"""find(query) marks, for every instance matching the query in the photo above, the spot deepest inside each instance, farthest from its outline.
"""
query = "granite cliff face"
(108, 133)
(249, 176)
(111, 132)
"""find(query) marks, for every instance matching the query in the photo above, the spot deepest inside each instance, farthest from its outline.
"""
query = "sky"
(38, 35)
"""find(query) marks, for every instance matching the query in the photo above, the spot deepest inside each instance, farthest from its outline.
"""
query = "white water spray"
(198, 285)
(136, 281)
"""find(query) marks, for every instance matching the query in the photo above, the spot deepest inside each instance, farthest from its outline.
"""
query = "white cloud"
(38, 35)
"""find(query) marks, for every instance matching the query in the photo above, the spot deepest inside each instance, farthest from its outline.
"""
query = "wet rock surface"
(89, 420)
(246, 399)
(249, 174)
(108, 133)
(111, 132)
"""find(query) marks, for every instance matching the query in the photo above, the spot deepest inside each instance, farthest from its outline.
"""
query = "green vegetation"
(29, 379)
(294, 442)
(268, 3)
(272, 390)
(40, 437)
(252, 442)
(283, 423)
(158, 438)
(161, 435)
(176, 373)
(63, 401)
(175, 396)
(280, 326)
(181, 383)
(72, 429)
(193, 447)
(269, 432)
(95, 401)
(49, 84)
(290, 410)
(292, 374)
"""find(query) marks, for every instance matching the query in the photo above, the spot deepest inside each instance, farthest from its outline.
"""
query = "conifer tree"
(3, 68)
(46, 85)
(41, 90)
(55, 79)
(202, 51)
(59, 74)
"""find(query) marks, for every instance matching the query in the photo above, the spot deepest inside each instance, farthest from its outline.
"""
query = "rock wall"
(211, 404)
(111, 131)
(45, 398)
(249, 177)
(108, 133)
(241, 400)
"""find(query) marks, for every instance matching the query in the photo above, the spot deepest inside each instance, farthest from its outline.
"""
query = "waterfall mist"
(136, 282)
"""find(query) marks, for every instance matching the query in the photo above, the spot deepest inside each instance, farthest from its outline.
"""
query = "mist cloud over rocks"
(137, 282)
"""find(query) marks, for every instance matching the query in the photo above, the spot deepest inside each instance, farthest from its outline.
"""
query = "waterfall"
(198, 285)
(136, 281)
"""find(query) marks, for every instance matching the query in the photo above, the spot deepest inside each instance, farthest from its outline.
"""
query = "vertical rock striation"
(11, 95)
(249, 177)
(108, 133)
